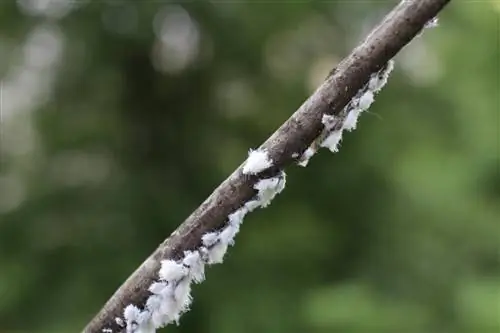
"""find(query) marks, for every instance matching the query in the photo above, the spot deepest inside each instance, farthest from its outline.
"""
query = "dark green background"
(107, 147)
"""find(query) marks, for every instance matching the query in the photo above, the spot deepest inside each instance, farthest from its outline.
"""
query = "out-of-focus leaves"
(356, 307)
(478, 303)
(119, 118)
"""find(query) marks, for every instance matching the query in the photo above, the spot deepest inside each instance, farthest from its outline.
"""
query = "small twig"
(284, 147)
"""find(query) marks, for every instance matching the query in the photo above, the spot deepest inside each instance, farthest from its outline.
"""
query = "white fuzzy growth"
(215, 247)
(182, 294)
(164, 308)
(167, 313)
(252, 204)
(257, 161)
(362, 103)
(228, 233)
(379, 80)
(329, 121)
(366, 100)
(332, 141)
(119, 322)
(131, 313)
(146, 328)
(194, 262)
(237, 217)
(135, 319)
(216, 243)
(144, 318)
(159, 288)
(216, 253)
(351, 120)
(307, 156)
(210, 238)
(159, 319)
(172, 271)
(170, 297)
(268, 188)
(281, 184)
(171, 294)
(161, 291)
(432, 23)
(154, 305)
(169, 300)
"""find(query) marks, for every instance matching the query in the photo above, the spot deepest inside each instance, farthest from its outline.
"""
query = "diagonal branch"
(283, 148)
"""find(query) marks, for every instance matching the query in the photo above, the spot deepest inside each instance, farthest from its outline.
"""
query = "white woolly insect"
(366, 96)
(119, 322)
(366, 100)
(379, 80)
(237, 217)
(329, 121)
(193, 261)
(269, 188)
(157, 306)
(306, 156)
(351, 121)
(332, 141)
(331, 135)
(134, 318)
(182, 295)
(210, 238)
(432, 23)
(171, 294)
(252, 204)
(131, 314)
(171, 270)
(217, 250)
(257, 161)
(227, 235)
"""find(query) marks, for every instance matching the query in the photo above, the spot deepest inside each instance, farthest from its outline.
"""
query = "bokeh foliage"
(120, 117)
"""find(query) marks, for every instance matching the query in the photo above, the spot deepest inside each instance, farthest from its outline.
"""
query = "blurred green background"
(120, 117)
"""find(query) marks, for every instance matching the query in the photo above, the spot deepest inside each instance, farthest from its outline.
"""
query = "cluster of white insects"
(170, 295)
(347, 119)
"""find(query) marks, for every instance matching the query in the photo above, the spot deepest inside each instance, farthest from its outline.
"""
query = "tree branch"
(284, 147)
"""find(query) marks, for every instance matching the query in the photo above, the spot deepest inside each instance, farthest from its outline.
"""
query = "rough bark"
(396, 30)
